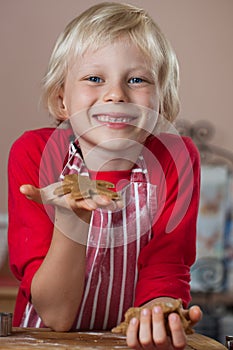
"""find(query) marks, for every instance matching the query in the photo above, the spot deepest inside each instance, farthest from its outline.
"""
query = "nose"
(115, 93)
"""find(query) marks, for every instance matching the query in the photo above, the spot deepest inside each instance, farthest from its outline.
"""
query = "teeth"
(106, 118)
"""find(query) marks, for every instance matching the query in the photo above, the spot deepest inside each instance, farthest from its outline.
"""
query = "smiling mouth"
(114, 119)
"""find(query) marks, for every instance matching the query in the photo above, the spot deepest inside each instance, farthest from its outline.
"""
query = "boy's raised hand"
(96, 195)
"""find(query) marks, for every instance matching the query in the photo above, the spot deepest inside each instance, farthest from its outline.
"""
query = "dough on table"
(167, 307)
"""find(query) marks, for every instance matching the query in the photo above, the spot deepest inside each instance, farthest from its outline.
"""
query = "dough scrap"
(167, 307)
(82, 187)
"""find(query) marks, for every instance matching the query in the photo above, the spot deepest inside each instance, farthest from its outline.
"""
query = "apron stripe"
(87, 287)
(110, 287)
(124, 271)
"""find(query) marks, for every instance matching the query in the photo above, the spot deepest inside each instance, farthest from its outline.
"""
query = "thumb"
(195, 314)
(31, 192)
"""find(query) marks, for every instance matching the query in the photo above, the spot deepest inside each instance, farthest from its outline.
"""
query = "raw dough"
(167, 307)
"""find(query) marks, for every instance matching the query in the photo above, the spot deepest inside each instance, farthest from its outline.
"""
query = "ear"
(62, 112)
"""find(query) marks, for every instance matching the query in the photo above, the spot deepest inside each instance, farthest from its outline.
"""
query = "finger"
(103, 201)
(159, 331)
(40, 195)
(87, 204)
(195, 314)
(119, 204)
(177, 331)
(31, 192)
(145, 336)
(132, 334)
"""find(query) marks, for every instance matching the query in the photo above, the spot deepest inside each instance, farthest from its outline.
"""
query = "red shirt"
(163, 263)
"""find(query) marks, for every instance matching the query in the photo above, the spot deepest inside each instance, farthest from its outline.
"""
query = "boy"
(111, 84)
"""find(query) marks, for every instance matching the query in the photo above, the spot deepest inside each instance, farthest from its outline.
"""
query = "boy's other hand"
(149, 331)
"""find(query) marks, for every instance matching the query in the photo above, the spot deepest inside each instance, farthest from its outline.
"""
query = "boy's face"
(111, 94)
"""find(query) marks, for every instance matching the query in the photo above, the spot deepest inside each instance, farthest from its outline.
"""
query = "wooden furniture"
(42, 339)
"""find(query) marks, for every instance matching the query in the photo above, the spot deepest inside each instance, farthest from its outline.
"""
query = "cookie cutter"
(229, 342)
(5, 324)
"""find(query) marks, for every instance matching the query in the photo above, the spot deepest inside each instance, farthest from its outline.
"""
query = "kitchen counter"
(41, 339)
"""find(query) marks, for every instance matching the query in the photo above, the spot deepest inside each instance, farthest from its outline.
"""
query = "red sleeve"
(164, 264)
(30, 224)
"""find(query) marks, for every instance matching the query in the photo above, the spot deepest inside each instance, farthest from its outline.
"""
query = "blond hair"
(105, 23)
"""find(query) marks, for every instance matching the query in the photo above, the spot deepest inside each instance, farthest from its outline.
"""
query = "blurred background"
(201, 34)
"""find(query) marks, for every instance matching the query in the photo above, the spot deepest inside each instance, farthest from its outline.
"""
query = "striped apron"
(115, 240)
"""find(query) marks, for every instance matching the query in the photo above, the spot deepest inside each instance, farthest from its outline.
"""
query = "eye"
(95, 79)
(136, 80)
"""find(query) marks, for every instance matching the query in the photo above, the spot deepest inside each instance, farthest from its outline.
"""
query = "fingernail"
(133, 321)
(22, 188)
(145, 312)
(173, 317)
(157, 309)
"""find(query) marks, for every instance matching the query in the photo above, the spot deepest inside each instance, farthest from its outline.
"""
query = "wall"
(200, 31)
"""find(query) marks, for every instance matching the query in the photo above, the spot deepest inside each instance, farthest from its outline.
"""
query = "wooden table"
(44, 339)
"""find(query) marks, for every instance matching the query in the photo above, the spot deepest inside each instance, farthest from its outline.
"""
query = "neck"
(99, 158)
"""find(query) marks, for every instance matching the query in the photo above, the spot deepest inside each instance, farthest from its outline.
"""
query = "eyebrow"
(129, 68)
